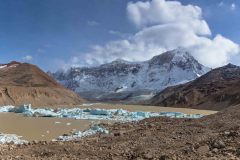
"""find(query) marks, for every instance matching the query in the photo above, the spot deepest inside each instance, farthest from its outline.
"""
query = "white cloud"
(92, 23)
(233, 6)
(216, 52)
(159, 12)
(220, 4)
(119, 34)
(165, 25)
(27, 58)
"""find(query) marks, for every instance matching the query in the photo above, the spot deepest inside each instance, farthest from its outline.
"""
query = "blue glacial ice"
(76, 135)
(93, 113)
(6, 109)
(11, 138)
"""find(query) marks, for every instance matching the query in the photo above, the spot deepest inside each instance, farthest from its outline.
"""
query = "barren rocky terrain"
(212, 137)
(22, 83)
(216, 90)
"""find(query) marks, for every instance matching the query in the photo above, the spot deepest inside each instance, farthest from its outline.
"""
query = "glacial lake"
(48, 128)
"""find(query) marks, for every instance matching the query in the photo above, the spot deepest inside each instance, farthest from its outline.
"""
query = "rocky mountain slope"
(22, 83)
(215, 90)
(123, 80)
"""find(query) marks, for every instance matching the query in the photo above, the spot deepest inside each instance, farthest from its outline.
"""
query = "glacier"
(93, 113)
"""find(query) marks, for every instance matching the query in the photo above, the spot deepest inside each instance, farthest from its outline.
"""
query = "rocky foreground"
(213, 137)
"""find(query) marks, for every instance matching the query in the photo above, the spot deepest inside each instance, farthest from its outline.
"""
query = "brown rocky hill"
(215, 90)
(22, 83)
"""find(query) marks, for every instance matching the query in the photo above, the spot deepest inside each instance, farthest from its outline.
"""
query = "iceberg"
(140, 115)
(45, 113)
(99, 112)
(28, 111)
(23, 109)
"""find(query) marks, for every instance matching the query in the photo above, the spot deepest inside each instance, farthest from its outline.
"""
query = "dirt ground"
(212, 137)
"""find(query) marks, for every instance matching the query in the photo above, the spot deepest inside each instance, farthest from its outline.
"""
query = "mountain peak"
(179, 56)
(116, 62)
(230, 65)
(119, 60)
(14, 62)
(9, 65)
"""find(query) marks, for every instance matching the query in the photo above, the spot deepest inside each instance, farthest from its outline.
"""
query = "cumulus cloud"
(165, 25)
(159, 12)
(27, 58)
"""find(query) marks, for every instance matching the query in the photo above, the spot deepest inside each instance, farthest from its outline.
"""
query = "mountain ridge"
(23, 83)
(215, 90)
(121, 79)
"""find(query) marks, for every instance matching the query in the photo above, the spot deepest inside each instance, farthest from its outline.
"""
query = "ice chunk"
(76, 135)
(100, 112)
(23, 109)
(6, 108)
(11, 138)
(28, 111)
(45, 112)
(121, 112)
(142, 114)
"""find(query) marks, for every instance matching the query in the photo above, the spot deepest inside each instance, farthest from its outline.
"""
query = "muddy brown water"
(32, 128)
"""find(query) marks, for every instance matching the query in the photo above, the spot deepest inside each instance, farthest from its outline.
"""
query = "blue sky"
(52, 33)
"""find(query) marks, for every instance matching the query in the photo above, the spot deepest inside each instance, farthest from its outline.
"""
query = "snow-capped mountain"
(121, 79)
